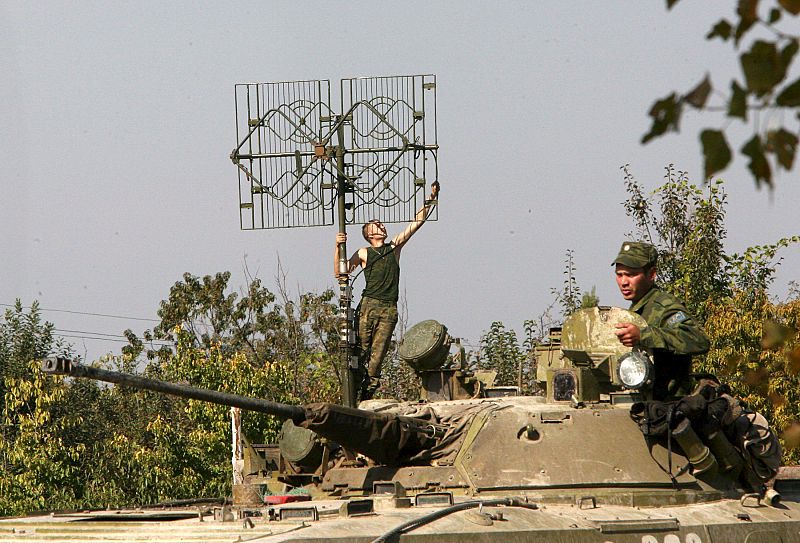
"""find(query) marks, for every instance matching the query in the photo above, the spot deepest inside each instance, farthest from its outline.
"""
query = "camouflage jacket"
(669, 325)
(673, 336)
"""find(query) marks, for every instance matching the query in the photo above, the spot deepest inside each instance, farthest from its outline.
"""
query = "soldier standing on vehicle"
(671, 333)
(378, 307)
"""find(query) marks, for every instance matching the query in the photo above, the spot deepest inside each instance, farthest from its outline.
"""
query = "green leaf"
(787, 55)
(747, 11)
(666, 115)
(722, 30)
(784, 144)
(763, 67)
(792, 6)
(737, 107)
(716, 152)
(758, 161)
(790, 96)
(671, 3)
(774, 16)
(697, 96)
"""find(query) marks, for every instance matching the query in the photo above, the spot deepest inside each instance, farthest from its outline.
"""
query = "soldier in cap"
(378, 307)
(671, 333)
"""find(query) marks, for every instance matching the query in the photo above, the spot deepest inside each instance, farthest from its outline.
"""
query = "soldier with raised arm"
(671, 333)
(378, 307)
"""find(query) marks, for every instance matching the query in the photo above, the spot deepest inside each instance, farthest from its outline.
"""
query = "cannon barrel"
(384, 437)
(64, 366)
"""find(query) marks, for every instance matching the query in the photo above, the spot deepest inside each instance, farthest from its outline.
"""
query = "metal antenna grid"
(302, 164)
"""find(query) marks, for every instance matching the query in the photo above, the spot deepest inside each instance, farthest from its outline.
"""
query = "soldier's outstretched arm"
(419, 219)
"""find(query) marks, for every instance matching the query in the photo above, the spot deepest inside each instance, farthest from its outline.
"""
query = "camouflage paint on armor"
(376, 323)
(672, 334)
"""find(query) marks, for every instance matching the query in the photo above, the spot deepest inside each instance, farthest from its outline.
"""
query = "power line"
(159, 343)
(84, 313)
(91, 333)
(111, 337)
(196, 323)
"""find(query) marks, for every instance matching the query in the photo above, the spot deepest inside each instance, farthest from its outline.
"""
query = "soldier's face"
(634, 283)
(376, 231)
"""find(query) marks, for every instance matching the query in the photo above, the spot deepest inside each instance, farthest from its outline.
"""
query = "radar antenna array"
(302, 164)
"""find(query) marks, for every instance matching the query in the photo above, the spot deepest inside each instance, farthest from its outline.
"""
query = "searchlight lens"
(634, 369)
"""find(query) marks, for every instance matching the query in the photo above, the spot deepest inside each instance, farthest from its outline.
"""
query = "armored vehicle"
(591, 460)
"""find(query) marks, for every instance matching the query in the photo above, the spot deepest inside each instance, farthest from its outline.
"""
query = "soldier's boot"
(372, 387)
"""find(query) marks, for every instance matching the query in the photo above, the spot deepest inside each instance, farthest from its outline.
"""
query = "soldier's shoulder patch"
(677, 318)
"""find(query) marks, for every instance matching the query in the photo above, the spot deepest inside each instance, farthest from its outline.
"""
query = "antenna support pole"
(347, 333)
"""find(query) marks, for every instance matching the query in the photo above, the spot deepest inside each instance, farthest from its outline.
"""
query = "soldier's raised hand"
(434, 190)
(628, 333)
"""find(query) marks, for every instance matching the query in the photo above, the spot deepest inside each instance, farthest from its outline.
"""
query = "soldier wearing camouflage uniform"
(378, 308)
(671, 333)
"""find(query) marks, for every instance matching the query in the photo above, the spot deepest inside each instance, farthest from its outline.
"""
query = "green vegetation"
(70, 444)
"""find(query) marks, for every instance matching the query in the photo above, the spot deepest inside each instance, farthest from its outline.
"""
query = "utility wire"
(196, 323)
(83, 334)
(84, 313)
(118, 336)
(107, 339)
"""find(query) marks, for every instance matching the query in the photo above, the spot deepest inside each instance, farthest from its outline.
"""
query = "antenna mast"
(302, 164)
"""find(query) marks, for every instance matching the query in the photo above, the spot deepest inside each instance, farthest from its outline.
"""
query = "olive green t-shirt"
(382, 274)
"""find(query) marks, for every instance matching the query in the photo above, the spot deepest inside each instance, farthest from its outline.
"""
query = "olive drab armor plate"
(579, 363)
(591, 331)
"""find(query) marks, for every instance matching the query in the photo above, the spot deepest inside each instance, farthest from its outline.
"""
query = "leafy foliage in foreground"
(761, 31)
(756, 350)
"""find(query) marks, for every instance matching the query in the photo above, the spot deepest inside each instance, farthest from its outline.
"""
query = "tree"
(70, 443)
(40, 468)
(24, 337)
(570, 296)
(766, 60)
(756, 351)
(256, 323)
(500, 351)
(38, 465)
(687, 226)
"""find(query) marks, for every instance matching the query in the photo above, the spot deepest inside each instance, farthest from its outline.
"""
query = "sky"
(118, 121)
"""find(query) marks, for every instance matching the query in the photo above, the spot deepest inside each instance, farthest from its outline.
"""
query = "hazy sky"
(118, 119)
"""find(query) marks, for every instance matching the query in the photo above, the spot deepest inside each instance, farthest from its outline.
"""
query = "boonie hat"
(636, 254)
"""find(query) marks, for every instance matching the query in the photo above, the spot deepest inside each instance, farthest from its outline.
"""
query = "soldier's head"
(374, 231)
(635, 268)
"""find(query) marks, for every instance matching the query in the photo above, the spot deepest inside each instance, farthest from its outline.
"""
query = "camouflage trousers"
(376, 322)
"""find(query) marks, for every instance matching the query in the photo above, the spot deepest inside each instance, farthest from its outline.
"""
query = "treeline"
(71, 444)
(74, 443)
